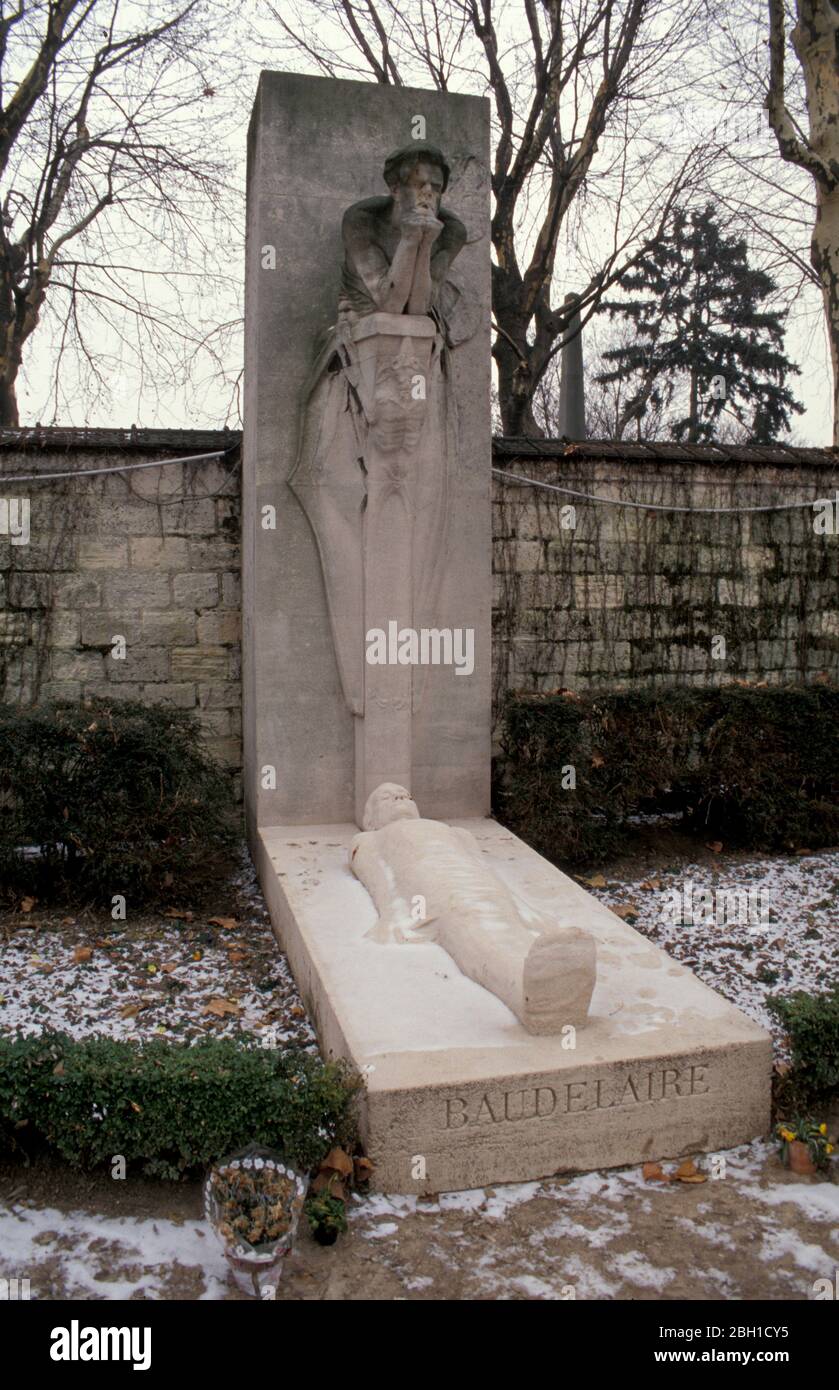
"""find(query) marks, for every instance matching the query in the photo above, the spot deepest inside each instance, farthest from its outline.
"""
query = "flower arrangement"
(253, 1201)
(805, 1146)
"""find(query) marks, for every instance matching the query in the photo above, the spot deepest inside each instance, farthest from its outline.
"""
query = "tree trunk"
(20, 313)
(824, 254)
(693, 411)
(515, 390)
(815, 39)
(8, 403)
(693, 414)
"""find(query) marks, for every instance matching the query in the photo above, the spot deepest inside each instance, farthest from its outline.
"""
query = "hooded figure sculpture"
(398, 250)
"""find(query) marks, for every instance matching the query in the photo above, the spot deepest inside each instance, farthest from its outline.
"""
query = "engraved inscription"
(575, 1097)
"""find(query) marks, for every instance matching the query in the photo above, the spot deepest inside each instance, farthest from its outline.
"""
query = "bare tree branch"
(791, 147)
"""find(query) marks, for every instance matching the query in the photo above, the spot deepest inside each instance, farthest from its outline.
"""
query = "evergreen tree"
(703, 343)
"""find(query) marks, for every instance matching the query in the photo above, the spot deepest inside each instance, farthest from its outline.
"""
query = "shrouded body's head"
(388, 803)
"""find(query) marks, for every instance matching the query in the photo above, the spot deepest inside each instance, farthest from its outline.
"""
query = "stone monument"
(527, 1029)
(379, 435)
(431, 883)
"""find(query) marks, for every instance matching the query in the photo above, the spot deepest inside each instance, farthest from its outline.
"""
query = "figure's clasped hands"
(420, 225)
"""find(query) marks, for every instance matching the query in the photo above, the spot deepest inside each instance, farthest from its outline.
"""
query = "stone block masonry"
(589, 595)
(622, 598)
(130, 584)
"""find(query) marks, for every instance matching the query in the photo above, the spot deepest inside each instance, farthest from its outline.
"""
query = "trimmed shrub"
(812, 1023)
(168, 1105)
(622, 751)
(769, 777)
(106, 798)
(754, 767)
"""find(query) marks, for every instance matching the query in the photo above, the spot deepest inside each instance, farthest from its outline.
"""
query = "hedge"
(755, 767)
(171, 1106)
(109, 798)
(812, 1024)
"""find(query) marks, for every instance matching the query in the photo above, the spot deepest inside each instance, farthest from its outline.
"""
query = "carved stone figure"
(430, 882)
(380, 422)
(398, 249)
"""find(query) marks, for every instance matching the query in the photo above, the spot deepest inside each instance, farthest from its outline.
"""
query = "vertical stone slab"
(384, 736)
(315, 146)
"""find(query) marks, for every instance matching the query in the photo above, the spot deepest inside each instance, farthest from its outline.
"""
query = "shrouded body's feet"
(559, 976)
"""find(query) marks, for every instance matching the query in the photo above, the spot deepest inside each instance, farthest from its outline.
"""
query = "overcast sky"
(208, 403)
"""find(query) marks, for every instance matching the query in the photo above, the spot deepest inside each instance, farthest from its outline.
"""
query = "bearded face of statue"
(420, 191)
(388, 803)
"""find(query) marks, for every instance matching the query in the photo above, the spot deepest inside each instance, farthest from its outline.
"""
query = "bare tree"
(578, 164)
(107, 182)
(815, 40)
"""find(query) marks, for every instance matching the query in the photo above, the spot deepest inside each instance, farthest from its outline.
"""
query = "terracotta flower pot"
(800, 1160)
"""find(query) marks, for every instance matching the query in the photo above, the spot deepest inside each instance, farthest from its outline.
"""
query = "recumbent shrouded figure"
(543, 971)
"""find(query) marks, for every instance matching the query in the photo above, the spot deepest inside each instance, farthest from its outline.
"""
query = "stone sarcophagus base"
(458, 1094)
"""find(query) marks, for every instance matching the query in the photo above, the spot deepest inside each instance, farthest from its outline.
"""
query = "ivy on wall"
(590, 595)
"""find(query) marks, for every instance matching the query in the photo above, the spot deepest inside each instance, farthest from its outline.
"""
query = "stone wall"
(619, 597)
(608, 595)
(149, 555)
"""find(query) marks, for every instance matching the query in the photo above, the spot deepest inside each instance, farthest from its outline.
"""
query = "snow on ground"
(79, 1255)
(613, 1234)
(747, 927)
(153, 976)
(755, 1232)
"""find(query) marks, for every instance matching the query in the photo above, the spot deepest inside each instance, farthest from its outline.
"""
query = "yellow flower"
(787, 1134)
(828, 1148)
(822, 1129)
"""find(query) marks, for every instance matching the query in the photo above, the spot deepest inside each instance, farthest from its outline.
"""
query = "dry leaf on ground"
(329, 1182)
(337, 1161)
(625, 910)
(653, 1172)
(220, 1007)
(688, 1172)
(131, 1010)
